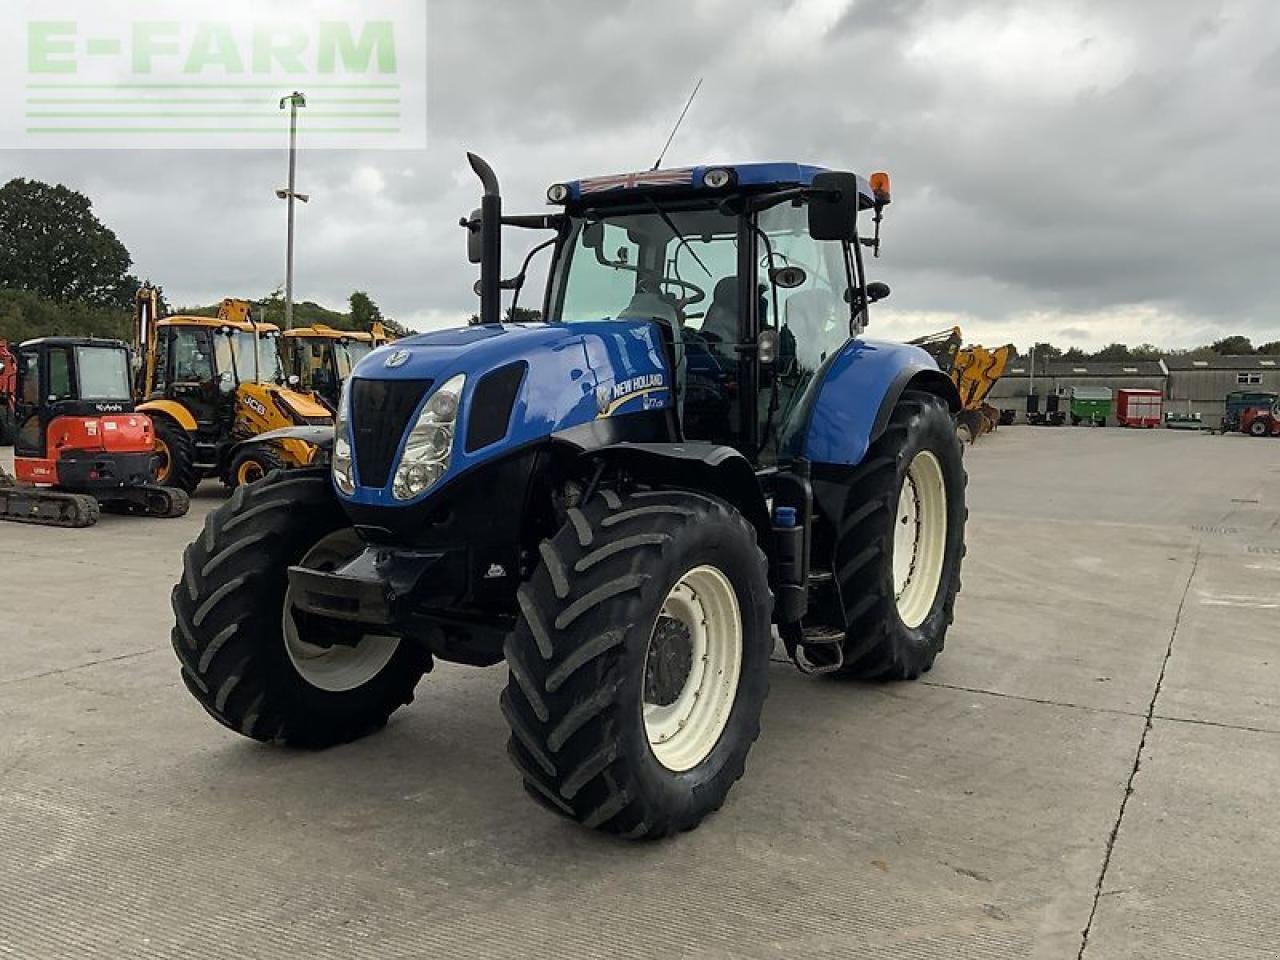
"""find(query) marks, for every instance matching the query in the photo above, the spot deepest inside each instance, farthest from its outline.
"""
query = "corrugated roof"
(1221, 363)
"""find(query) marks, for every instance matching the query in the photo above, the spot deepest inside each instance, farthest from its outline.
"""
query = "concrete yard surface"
(1089, 771)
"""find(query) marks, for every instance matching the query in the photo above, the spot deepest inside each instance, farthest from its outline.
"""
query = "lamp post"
(295, 100)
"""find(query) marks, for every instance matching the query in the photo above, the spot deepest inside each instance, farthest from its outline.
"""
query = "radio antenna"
(696, 87)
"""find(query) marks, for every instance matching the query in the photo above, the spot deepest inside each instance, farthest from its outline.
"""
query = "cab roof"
(320, 330)
(753, 177)
(41, 342)
(214, 322)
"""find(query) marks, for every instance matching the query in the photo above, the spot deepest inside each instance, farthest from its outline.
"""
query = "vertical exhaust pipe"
(491, 242)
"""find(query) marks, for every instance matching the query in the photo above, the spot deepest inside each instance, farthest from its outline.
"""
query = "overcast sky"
(1072, 171)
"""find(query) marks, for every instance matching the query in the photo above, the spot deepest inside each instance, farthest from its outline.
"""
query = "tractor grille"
(380, 413)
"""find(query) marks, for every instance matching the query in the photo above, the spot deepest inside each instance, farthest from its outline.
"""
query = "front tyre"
(174, 457)
(246, 655)
(900, 542)
(639, 665)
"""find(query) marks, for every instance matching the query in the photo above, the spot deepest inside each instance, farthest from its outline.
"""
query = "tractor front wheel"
(639, 665)
(899, 546)
(246, 653)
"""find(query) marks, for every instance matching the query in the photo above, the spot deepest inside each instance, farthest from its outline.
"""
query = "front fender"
(848, 404)
(301, 445)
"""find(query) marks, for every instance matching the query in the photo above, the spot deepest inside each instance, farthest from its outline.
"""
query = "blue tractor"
(691, 454)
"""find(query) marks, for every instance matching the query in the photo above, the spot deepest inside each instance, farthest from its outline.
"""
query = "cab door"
(30, 439)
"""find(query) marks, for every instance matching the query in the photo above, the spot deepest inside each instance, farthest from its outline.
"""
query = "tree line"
(64, 272)
(1231, 346)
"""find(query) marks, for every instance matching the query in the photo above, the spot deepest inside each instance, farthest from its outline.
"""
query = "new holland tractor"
(693, 454)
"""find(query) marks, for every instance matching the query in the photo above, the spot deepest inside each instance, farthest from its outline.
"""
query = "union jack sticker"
(629, 181)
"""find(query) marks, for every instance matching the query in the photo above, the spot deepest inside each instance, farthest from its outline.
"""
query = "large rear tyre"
(175, 457)
(639, 665)
(248, 660)
(899, 547)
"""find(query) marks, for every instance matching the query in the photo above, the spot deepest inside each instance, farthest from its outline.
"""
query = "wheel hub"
(692, 666)
(919, 539)
(670, 661)
(332, 664)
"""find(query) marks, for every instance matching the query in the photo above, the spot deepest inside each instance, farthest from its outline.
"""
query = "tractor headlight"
(717, 178)
(430, 444)
(343, 477)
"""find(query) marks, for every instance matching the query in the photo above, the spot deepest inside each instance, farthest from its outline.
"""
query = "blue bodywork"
(581, 372)
(576, 373)
(839, 415)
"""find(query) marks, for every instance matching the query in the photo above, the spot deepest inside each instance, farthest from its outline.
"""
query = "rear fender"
(722, 472)
(848, 405)
(171, 409)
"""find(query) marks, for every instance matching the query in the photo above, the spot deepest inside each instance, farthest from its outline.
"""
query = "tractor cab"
(322, 357)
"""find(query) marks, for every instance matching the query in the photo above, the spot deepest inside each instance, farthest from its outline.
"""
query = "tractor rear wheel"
(245, 655)
(639, 665)
(899, 546)
(175, 457)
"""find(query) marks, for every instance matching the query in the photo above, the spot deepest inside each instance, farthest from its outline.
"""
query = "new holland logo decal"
(610, 397)
(397, 359)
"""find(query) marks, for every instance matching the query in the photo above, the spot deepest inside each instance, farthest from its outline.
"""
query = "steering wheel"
(696, 295)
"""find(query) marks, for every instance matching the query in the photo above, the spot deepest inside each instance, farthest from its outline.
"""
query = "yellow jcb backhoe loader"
(974, 370)
(213, 384)
(322, 357)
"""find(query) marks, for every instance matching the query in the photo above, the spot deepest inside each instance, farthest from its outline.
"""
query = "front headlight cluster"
(343, 478)
(430, 444)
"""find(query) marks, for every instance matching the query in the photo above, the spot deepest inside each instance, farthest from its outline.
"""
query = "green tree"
(364, 312)
(52, 245)
(1271, 348)
(1146, 351)
(1073, 353)
(1232, 346)
(1112, 352)
(1046, 351)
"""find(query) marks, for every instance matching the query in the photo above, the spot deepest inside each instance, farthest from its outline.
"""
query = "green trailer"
(1091, 405)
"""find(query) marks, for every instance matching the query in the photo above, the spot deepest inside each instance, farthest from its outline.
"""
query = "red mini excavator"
(80, 445)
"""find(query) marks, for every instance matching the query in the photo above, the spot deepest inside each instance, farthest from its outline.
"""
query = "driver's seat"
(721, 322)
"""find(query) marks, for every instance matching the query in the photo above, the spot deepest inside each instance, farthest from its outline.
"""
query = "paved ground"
(1090, 770)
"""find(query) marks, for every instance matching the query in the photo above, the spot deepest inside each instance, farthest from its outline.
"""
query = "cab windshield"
(103, 372)
(347, 355)
(246, 344)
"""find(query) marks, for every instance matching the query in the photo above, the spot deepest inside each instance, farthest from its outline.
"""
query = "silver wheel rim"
(684, 731)
(919, 539)
(339, 668)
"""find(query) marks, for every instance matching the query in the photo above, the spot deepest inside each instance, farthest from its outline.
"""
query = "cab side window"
(192, 356)
(60, 380)
(29, 372)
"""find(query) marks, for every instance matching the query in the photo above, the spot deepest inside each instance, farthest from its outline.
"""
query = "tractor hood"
(524, 382)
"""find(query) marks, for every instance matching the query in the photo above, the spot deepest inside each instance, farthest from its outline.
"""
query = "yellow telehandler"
(216, 392)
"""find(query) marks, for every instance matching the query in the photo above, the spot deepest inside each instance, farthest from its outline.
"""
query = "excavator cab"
(80, 442)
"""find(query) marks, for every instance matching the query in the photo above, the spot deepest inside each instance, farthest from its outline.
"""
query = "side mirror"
(475, 238)
(877, 291)
(833, 210)
(293, 380)
(226, 382)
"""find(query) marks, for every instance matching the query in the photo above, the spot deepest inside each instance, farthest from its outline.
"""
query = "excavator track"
(167, 502)
(47, 508)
